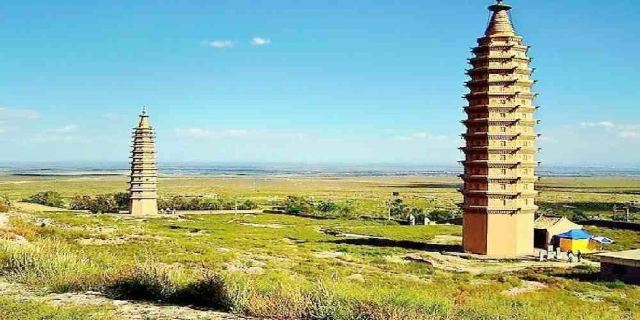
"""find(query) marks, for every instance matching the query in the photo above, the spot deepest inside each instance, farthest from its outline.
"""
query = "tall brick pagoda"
(500, 150)
(143, 196)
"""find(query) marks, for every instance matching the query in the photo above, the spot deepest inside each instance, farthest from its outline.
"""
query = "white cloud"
(192, 132)
(629, 134)
(600, 124)
(423, 136)
(59, 138)
(20, 114)
(219, 44)
(204, 133)
(625, 131)
(113, 116)
(232, 133)
(258, 41)
(65, 129)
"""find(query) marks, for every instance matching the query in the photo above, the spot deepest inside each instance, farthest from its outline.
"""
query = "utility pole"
(628, 213)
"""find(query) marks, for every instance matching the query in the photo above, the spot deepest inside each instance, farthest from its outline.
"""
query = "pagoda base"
(143, 207)
(500, 235)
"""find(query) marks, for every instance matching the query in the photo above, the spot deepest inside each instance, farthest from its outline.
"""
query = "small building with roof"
(545, 227)
(622, 265)
(576, 240)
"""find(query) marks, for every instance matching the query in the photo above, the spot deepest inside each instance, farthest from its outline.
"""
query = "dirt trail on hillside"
(455, 263)
(130, 310)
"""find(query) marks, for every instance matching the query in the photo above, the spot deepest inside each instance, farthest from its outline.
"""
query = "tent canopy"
(575, 234)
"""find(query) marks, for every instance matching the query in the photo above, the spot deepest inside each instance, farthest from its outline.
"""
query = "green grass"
(16, 309)
(293, 267)
(173, 259)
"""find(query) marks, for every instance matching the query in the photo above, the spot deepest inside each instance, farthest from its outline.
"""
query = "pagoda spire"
(500, 23)
(144, 119)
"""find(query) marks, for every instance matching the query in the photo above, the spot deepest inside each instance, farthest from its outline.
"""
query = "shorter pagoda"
(143, 185)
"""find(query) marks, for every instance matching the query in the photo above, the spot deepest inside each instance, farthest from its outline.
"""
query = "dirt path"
(459, 264)
(33, 207)
(130, 310)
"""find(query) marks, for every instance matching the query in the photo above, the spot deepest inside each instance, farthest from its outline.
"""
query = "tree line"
(116, 202)
(396, 209)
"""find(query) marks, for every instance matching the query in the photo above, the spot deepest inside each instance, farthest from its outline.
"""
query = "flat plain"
(192, 266)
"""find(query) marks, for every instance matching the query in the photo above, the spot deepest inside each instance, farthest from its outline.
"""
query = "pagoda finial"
(499, 6)
(500, 22)
(144, 118)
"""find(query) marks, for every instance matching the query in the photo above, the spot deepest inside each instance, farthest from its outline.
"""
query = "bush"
(121, 200)
(47, 198)
(397, 207)
(146, 282)
(295, 205)
(247, 205)
(107, 203)
(578, 216)
(440, 215)
(80, 203)
(5, 204)
(210, 292)
(326, 206)
(201, 203)
(104, 204)
(347, 208)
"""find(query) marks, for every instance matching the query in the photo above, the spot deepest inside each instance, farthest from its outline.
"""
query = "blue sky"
(303, 81)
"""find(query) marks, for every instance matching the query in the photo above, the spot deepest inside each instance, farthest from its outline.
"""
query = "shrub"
(104, 204)
(145, 282)
(210, 292)
(440, 215)
(347, 208)
(47, 198)
(247, 205)
(80, 203)
(326, 206)
(121, 200)
(107, 203)
(578, 215)
(201, 203)
(295, 205)
(5, 204)
(397, 207)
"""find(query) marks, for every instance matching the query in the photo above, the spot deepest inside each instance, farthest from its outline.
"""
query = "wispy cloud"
(233, 133)
(60, 138)
(624, 131)
(219, 44)
(192, 132)
(113, 116)
(66, 129)
(203, 133)
(18, 114)
(599, 124)
(259, 41)
(629, 134)
(423, 136)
